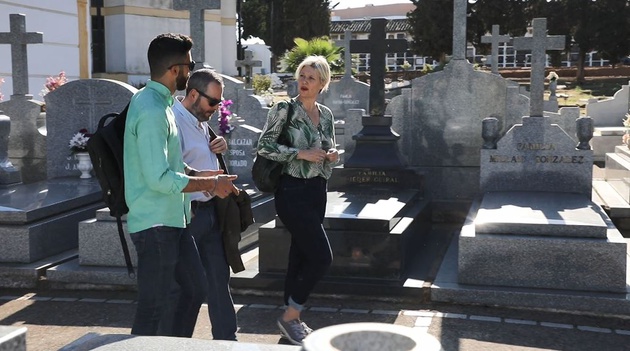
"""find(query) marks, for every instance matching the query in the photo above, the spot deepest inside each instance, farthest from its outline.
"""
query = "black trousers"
(301, 206)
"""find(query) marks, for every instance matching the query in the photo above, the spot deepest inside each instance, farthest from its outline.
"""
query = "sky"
(344, 4)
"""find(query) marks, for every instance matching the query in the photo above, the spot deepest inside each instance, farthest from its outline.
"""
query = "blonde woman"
(301, 195)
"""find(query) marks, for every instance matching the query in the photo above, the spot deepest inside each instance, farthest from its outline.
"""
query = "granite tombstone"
(74, 106)
(535, 227)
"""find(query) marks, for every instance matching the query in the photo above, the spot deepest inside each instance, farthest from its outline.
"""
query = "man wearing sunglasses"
(202, 100)
(156, 180)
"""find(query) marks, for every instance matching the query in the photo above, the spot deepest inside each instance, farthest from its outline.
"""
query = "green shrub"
(261, 83)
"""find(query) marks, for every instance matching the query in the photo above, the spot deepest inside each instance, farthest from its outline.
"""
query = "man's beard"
(181, 81)
(198, 112)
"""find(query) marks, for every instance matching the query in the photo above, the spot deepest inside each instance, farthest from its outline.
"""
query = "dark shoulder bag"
(265, 172)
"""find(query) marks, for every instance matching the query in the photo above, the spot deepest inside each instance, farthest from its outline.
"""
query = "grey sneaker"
(308, 330)
(292, 330)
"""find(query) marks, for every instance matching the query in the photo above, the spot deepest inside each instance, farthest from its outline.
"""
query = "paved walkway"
(57, 318)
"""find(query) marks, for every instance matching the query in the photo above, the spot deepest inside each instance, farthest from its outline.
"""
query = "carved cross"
(538, 44)
(18, 38)
(495, 39)
(378, 47)
(197, 23)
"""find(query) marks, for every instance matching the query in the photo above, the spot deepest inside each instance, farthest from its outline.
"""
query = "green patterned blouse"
(302, 135)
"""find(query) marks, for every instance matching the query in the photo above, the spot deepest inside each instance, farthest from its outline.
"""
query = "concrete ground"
(57, 318)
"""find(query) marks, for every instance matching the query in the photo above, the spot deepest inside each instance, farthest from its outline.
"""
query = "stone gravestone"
(607, 116)
(241, 150)
(495, 39)
(366, 202)
(9, 174)
(74, 106)
(248, 63)
(347, 93)
(535, 227)
(26, 140)
(196, 9)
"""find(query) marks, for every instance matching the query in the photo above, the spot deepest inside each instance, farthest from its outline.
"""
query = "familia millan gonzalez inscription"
(539, 155)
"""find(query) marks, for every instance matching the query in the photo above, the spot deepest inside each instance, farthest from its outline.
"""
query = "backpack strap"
(125, 248)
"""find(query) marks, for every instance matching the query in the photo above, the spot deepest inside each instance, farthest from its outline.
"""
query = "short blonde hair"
(320, 64)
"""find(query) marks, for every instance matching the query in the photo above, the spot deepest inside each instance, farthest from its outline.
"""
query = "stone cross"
(197, 24)
(91, 102)
(495, 39)
(538, 44)
(347, 55)
(18, 38)
(459, 29)
(378, 47)
(248, 62)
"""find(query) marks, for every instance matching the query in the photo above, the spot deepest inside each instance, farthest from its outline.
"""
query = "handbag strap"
(283, 133)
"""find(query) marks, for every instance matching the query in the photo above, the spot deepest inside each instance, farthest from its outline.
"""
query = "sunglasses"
(212, 101)
(191, 65)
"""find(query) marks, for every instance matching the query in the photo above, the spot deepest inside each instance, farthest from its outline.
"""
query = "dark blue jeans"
(204, 227)
(165, 253)
(301, 206)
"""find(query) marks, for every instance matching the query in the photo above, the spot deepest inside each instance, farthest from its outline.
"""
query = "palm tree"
(321, 46)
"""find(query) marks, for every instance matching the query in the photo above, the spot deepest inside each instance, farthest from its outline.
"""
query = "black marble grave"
(377, 214)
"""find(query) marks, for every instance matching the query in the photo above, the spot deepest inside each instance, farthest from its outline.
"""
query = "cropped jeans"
(165, 255)
(301, 206)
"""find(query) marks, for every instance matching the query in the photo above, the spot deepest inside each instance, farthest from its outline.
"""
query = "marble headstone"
(347, 93)
(19, 38)
(536, 156)
(74, 106)
(241, 150)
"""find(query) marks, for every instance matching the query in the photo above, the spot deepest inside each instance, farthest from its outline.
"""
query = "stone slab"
(446, 288)
(579, 264)
(617, 175)
(27, 275)
(604, 141)
(36, 240)
(540, 214)
(374, 212)
(31, 202)
(126, 342)
(362, 253)
(99, 244)
(12, 338)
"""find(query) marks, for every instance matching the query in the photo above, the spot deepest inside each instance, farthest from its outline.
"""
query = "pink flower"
(224, 117)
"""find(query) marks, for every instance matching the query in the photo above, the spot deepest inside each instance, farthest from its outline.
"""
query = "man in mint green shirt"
(156, 180)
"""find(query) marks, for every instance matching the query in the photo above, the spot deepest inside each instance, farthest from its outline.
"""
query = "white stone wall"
(129, 29)
(58, 20)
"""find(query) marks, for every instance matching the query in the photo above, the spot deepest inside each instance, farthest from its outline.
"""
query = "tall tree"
(432, 28)
(279, 22)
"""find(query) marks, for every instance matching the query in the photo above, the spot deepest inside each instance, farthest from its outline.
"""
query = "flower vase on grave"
(84, 165)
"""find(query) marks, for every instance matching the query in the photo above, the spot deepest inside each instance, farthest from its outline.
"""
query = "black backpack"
(105, 147)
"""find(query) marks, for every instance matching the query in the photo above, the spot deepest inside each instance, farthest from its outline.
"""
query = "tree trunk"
(580, 67)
